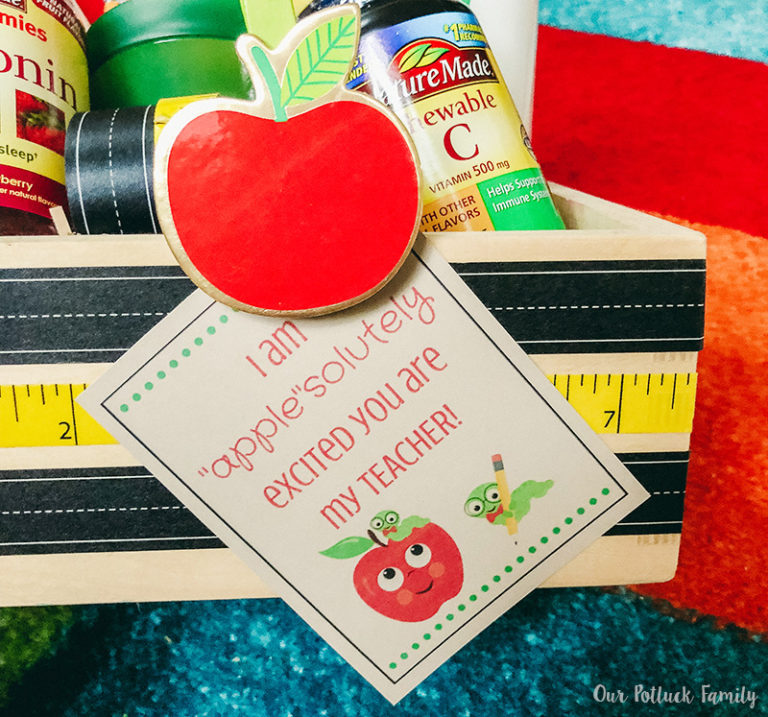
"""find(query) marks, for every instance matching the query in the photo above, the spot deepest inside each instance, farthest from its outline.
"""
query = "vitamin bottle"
(429, 61)
(43, 82)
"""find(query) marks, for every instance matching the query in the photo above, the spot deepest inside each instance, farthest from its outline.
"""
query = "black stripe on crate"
(594, 306)
(77, 510)
(663, 475)
(95, 314)
(83, 315)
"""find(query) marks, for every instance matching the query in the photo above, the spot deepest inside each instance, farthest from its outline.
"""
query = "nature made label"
(438, 75)
(43, 82)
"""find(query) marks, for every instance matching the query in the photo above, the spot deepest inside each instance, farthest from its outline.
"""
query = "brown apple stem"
(375, 538)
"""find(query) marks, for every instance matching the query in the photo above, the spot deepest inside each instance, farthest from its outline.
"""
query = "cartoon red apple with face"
(303, 201)
(409, 577)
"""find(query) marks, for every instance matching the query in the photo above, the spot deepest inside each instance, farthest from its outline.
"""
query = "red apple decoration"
(407, 579)
(303, 201)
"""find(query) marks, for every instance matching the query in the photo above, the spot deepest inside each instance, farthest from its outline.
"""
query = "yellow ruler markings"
(48, 415)
(631, 403)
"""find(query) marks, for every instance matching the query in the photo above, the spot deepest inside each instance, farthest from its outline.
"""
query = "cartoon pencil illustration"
(500, 506)
(501, 482)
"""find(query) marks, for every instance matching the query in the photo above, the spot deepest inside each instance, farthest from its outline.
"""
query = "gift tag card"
(400, 472)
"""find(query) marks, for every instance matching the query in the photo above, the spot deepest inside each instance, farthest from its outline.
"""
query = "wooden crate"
(618, 293)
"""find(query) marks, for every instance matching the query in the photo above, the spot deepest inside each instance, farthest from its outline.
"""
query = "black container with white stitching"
(108, 159)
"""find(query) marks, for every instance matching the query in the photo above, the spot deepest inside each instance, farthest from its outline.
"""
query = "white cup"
(511, 28)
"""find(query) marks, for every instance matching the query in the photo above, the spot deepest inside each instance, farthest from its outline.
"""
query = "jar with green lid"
(429, 61)
(144, 50)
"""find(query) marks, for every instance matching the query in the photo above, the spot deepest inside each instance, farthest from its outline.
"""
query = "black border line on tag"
(459, 628)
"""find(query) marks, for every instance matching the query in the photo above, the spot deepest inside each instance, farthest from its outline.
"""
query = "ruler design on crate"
(631, 403)
(48, 415)
(44, 511)
(69, 309)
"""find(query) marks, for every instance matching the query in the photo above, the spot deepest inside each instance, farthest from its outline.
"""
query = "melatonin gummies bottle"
(43, 82)
(429, 61)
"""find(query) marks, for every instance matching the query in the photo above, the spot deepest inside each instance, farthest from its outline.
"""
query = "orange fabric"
(723, 569)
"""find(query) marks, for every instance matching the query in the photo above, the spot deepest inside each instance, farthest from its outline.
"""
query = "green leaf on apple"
(348, 547)
(320, 62)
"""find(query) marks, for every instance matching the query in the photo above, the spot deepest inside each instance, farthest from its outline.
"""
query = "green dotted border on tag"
(173, 363)
(461, 607)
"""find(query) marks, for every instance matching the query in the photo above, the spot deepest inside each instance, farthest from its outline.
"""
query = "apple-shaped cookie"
(303, 201)
(409, 578)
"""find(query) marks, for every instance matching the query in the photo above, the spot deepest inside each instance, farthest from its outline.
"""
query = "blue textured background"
(726, 27)
(544, 657)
